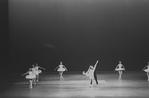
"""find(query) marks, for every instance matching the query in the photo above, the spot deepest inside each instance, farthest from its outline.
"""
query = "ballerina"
(146, 69)
(37, 71)
(31, 77)
(91, 74)
(61, 68)
(120, 68)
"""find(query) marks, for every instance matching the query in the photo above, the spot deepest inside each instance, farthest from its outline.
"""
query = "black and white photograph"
(74, 48)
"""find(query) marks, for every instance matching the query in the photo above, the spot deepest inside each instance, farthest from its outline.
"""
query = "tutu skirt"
(30, 77)
(61, 69)
(119, 69)
(37, 72)
(146, 70)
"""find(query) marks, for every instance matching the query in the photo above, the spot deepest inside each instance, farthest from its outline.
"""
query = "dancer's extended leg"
(147, 76)
(95, 77)
(120, 74)
(31, 83)
(61, 75)
(91, 83)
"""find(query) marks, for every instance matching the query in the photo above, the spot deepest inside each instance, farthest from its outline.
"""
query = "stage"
(134, 84)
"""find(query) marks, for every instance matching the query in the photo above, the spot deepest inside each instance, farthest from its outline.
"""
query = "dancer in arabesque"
(120, 68)
(61, 68)
(91, 73)
(146, 69)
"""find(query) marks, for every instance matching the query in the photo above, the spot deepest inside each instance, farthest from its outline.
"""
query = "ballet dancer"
(37, 71)
(61, 68)
(30, 76)
(146, 69)
(91, 74)
(120, 69)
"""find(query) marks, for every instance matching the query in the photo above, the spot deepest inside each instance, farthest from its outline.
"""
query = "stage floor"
(75, 85)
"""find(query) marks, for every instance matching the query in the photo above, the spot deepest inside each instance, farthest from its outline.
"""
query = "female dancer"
(61, 68)
(120, 69)
(91, 73)
(146, 69)
(37, 71)
(31, 77)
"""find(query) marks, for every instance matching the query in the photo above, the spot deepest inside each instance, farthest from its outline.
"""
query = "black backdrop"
(77, 32)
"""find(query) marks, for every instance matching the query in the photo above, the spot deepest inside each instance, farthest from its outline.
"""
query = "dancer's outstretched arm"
(144, 67)
(41, 67)
(24, 73)
(117, 67)
(56, 67)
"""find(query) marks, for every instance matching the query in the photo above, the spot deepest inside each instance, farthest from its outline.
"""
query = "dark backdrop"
(78, 32)
(4, 37)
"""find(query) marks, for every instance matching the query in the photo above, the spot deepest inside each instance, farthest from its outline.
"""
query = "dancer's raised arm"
(95, 65)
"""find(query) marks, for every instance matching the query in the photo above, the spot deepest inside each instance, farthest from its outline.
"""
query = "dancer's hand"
(83, 72)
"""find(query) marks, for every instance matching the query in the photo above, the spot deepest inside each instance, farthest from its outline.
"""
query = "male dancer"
(91, 73)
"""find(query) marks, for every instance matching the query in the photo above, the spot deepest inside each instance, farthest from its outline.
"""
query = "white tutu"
(37, 72)
(119, 69)
(146, 70)
(30, 76)
(61, 69)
